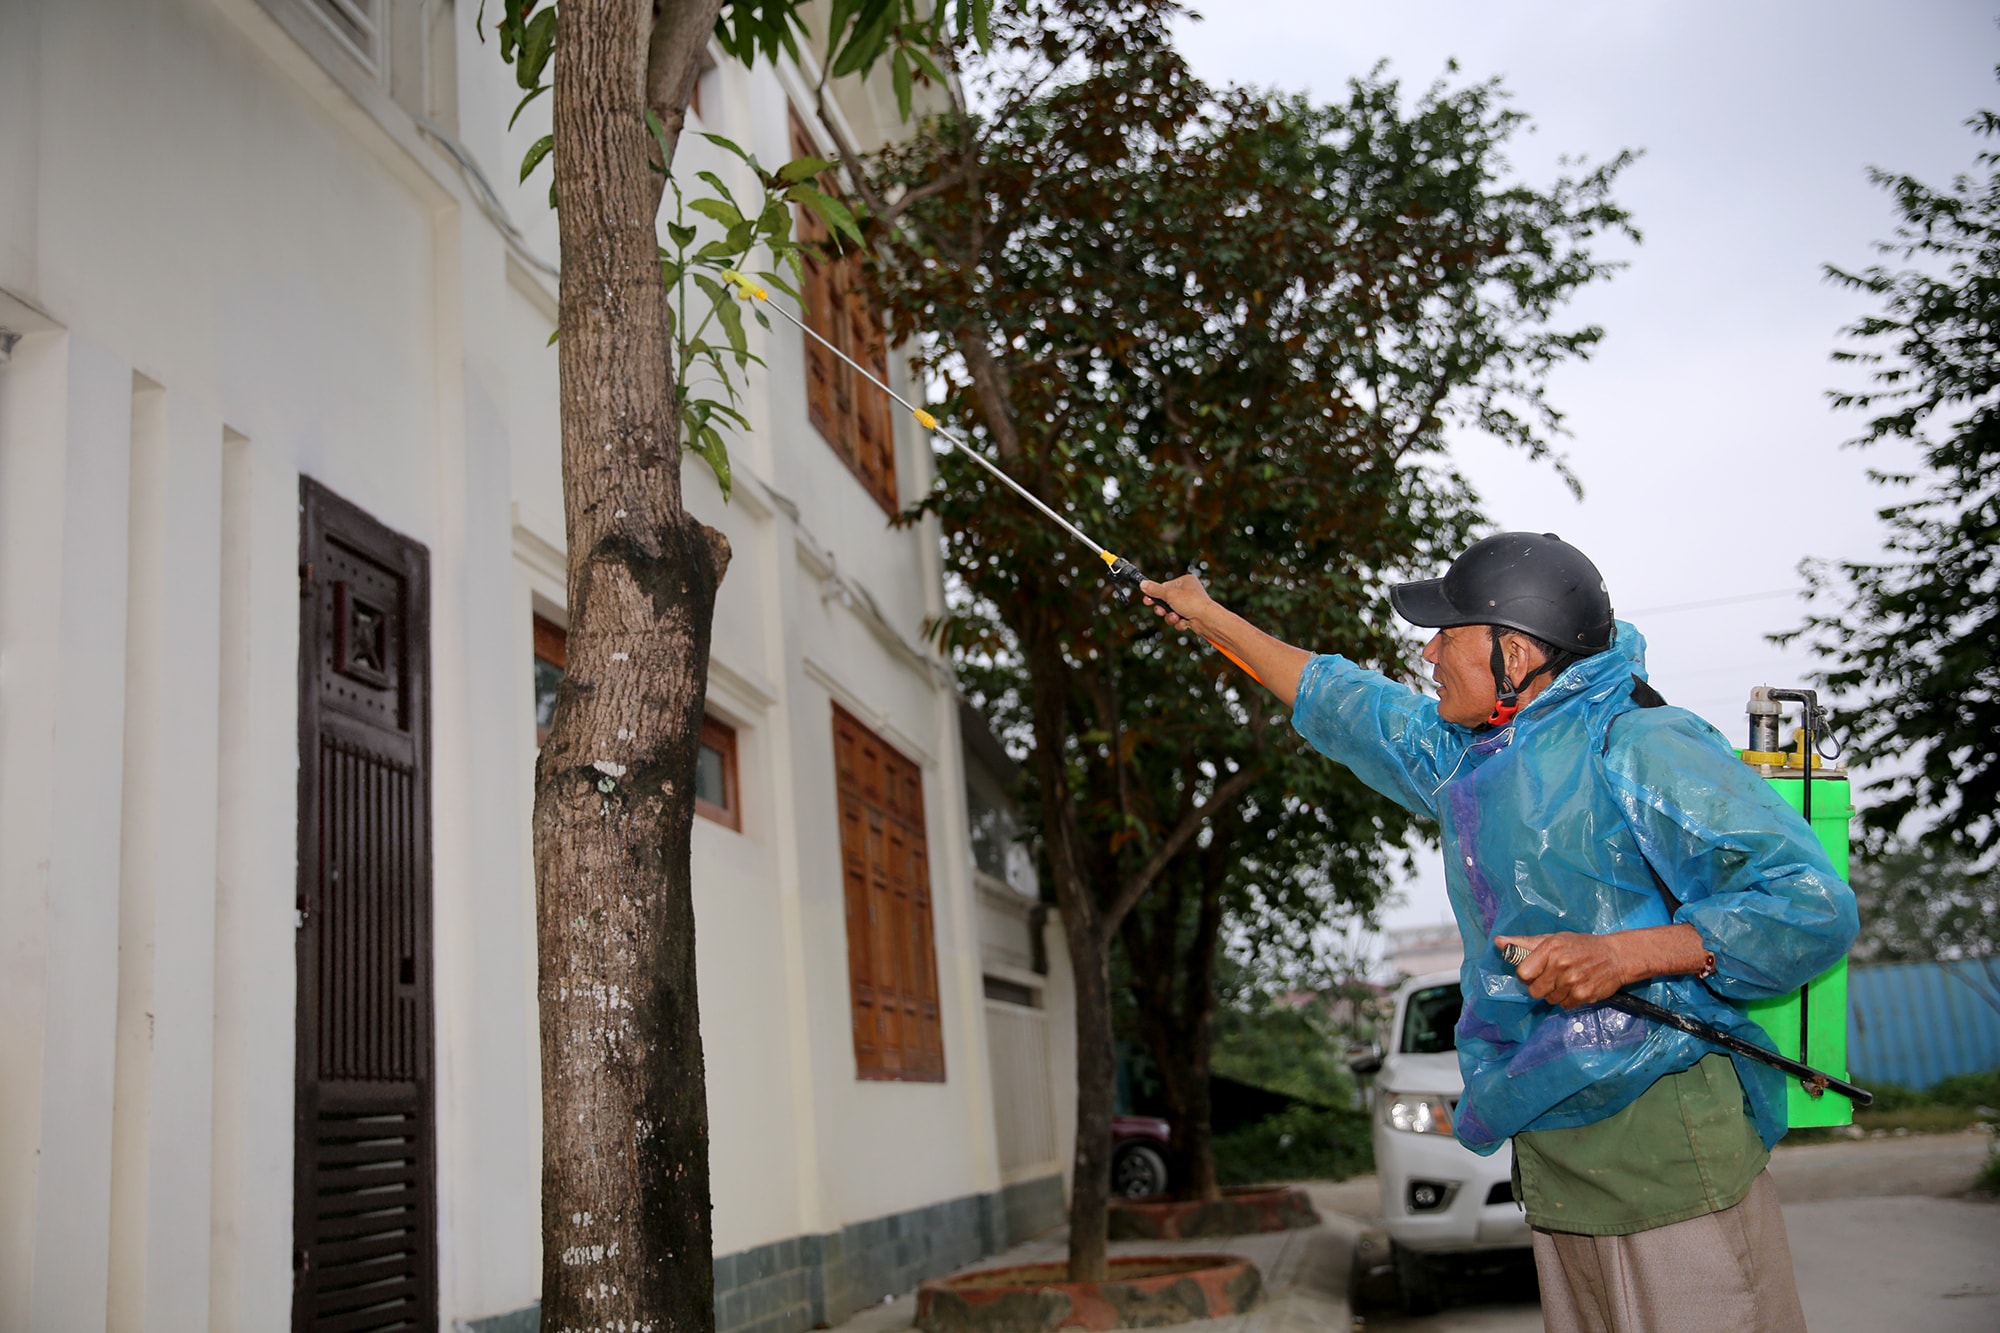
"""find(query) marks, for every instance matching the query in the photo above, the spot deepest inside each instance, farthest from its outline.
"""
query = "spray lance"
(1122, 571)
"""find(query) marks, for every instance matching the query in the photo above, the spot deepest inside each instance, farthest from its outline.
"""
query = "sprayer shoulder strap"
(1644, 695)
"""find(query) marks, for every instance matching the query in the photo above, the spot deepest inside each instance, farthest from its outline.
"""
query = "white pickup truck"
(1438, 1196)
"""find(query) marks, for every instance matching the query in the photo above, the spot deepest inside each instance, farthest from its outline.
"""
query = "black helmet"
(1533, 582)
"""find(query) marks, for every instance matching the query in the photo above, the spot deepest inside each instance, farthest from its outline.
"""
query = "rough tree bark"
(625, 1202)
(1179, 1030)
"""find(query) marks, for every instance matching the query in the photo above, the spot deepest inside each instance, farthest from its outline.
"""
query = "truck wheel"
(1138, 1172)
(1416, 1285)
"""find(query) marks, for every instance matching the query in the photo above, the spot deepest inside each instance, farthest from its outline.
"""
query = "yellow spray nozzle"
(925, 419)
(745, 288)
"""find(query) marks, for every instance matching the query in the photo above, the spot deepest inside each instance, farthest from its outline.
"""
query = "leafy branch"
(711, 345)
(705, 387)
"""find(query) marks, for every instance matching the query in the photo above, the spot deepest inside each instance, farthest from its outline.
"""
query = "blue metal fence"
(1915, 1023)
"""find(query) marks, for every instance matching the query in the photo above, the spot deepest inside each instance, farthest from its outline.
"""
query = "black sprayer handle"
(1814, 1081)
(1125, 572)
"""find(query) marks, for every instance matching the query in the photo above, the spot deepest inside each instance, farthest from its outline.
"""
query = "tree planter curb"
(1239, 1212)
(1142, 1291)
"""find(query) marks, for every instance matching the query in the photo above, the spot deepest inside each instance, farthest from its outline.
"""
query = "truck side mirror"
(1364, 1058)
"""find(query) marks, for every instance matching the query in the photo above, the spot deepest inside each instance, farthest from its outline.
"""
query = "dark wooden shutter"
(853, 415)
(891, 941)
(820, 301)
(364, 1215)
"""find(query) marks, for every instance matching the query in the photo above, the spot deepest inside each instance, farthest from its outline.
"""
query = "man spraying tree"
(1620, 843)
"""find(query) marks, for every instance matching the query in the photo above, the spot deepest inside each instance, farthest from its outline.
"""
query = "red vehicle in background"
(1139, 1155)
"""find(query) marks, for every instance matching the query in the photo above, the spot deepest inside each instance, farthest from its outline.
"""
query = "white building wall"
(235, 261)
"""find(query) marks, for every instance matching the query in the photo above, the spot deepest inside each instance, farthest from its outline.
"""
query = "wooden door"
(364, 1215)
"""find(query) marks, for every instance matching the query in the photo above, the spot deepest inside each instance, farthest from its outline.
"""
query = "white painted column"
(779, 598)
(65, 455)
(32, 421)
(161, 1169)
(958, 940)
(256, 887)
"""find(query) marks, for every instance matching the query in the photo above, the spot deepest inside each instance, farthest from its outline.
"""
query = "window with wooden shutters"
(849, 412)
(891, 949)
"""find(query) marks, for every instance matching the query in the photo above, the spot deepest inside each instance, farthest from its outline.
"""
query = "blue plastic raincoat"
(1559, 822)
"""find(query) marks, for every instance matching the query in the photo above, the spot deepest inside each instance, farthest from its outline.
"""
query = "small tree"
(1307, 846)
(648, 340)
(1912, 643)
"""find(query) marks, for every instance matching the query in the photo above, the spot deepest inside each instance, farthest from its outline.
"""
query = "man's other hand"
(1570, 970)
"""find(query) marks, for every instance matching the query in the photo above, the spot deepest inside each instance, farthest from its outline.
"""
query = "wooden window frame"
(851, 415)
(893, 991)
(551, 646)
(721, 737)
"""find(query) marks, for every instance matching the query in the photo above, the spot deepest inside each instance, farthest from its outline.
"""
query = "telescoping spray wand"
(1816, 1083)
(1121, 570)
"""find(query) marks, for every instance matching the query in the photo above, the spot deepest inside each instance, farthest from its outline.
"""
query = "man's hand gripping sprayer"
(1815, 1082)
(1121, 570)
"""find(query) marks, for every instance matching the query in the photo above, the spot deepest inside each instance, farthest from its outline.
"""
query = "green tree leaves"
(839, 219)
(711, 340)
(1912, 642)
(1920, 903)
(537, 150)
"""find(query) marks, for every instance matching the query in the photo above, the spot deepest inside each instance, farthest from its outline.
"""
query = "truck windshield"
(1429, 1020)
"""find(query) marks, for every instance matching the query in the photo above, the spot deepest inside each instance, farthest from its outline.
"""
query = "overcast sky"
(1710, 460)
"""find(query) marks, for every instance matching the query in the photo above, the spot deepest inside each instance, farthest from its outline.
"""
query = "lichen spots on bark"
(620, 1017)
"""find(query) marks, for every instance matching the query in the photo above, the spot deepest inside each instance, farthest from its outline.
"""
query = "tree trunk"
(1197, 1145)
(625, 1201)
(1179, 1029)
(1194, 1129)
(1089, 944)
(1096, 1092)
(1181, 1057)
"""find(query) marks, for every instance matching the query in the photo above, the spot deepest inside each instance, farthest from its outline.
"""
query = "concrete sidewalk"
(1305, 1272)
(1882, 1237)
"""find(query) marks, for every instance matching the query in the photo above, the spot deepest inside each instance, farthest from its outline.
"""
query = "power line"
(1716, 601)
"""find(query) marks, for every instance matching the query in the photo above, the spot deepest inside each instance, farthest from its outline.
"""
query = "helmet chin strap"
(1507, 694)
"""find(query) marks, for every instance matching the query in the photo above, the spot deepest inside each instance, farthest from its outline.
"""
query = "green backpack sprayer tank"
(1809, 1025)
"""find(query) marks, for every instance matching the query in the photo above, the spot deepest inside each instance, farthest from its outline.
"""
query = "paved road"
(1882, 1238)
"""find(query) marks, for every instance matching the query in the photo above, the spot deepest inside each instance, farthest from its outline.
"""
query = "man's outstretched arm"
(1186, 605)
